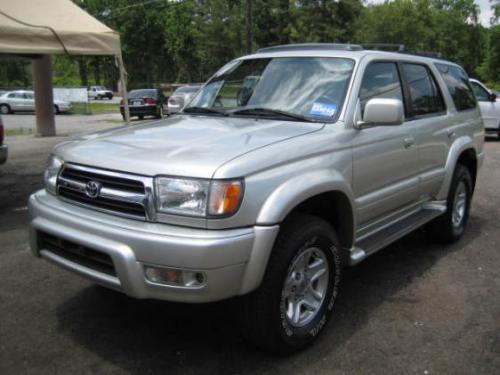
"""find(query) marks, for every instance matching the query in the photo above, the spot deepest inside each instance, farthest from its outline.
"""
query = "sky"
(484, 5)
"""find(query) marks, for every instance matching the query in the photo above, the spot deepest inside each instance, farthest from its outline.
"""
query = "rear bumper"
(151, 110)
(232, 260)
(3, 153)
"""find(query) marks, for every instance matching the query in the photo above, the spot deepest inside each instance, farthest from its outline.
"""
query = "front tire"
(5, 109)
(450, 226)
(298, 291)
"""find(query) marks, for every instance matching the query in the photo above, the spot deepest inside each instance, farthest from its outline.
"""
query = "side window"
(425, 97)
(13, 95)
(458, 85)
(381, 80)
(481, 94)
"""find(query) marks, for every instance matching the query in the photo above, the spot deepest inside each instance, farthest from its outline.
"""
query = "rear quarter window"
(458, 85)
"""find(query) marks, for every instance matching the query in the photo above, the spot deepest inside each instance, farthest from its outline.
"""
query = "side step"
(372, 242)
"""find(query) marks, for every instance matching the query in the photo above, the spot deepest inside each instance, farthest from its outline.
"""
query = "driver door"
(490, 110)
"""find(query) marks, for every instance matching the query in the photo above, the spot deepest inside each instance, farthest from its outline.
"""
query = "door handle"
(409, 142)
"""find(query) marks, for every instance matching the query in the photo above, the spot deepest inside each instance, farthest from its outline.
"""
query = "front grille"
(118, 193)
(76, 253)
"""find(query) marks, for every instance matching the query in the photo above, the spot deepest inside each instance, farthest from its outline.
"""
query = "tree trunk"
(82, 69)
(248, 26)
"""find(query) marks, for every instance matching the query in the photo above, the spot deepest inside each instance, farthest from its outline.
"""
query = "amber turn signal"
(225, 197)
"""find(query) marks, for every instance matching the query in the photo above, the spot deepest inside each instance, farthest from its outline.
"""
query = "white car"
(489, 105)
(24, 100)
(100, 92)
(181, 97)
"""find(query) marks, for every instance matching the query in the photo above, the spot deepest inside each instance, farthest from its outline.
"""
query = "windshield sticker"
(323, 109)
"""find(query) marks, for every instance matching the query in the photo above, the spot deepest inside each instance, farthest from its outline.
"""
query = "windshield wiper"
(269, 112)
(203, 110)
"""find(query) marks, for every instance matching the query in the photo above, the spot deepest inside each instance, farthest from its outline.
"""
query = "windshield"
(186, 90)
(311, 87)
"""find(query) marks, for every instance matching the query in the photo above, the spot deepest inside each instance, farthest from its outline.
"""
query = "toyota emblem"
(92, 189)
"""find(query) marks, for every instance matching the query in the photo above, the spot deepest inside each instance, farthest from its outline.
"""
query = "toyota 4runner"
(287, 165)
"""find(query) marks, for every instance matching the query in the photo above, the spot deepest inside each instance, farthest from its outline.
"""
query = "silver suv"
(286, 166)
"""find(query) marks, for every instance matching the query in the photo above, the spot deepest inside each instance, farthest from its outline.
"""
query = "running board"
(373, 242)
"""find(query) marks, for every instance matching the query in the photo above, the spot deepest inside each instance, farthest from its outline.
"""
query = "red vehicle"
(3, 148)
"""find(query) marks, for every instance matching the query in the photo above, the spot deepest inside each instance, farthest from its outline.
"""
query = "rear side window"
(458, 85)
(381, 80)
(425, 97)
(481, 94)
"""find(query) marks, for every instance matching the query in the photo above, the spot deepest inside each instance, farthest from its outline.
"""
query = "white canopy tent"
(38, 29)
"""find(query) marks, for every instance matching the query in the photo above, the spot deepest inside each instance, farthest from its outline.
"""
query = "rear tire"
(293, 304)
(450, 226)
(141, 117)
(5, 109)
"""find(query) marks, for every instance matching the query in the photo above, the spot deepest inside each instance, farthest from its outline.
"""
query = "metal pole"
(44, 97)
(123, 80)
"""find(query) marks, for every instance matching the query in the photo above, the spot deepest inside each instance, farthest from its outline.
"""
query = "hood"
(183, 145)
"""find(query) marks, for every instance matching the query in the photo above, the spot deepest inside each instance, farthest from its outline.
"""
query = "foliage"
(166, 41)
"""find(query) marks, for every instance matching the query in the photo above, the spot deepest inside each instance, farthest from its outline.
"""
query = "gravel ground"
(413, 308)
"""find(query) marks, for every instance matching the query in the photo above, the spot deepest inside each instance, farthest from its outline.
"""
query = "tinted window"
(142, 94)
(480, 92)
(381, 80)
(425, 97)
(458, 85)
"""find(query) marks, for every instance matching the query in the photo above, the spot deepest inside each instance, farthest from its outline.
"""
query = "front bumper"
(3, 153)
(232, 260)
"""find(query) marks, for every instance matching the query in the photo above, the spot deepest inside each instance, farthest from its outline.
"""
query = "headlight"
(198, 197)
(51, 173)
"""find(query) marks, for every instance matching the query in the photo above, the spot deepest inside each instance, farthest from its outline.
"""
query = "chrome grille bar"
(120, 193)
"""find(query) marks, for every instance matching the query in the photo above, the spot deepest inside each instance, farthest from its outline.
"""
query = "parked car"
(334, 153)
(489, 104)
(100, 92)
(181, 97)
(3, 147)
(24, 101)
(144, 102)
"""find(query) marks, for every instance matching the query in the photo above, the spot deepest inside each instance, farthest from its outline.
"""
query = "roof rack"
(389, 47)
(313, 46)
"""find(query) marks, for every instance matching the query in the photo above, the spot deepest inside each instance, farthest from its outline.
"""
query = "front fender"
(296, 190)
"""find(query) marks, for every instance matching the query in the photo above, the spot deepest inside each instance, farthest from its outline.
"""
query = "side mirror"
(382, 112)
(493, 97)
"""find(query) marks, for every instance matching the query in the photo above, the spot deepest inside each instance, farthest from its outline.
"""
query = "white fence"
(73, 94)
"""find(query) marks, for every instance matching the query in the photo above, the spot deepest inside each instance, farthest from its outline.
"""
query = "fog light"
(175, 277)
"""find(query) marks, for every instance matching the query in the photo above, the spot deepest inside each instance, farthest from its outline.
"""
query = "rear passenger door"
(385, 159)
(430, 123)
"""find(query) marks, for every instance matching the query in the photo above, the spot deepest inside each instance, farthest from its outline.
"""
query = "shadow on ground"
(150, 336)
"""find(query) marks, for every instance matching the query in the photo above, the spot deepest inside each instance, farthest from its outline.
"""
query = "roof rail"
(384, 46)
(312, 46)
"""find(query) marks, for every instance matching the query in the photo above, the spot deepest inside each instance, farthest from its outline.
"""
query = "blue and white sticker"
(323, 109)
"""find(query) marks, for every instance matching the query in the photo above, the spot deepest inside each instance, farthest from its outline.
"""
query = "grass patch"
(19, 131)
(93, 108)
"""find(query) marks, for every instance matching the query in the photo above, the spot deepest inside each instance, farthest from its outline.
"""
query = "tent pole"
(123, 80)
(44, 96)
